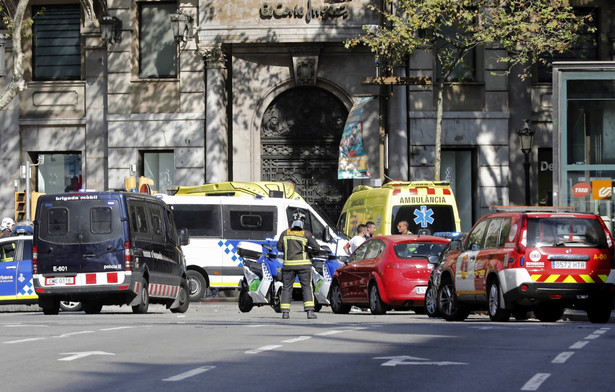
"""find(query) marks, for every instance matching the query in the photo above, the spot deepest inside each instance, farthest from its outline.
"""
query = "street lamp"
(110, 29)
(182, 26)
(526, 138)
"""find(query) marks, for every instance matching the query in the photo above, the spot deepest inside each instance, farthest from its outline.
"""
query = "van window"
(434, 217)
(569, 232)
(477, 235)
(249, 222)
(57, 221)
(155, 213)
(100, 220)
(171, 228)
(492, 240)
(312, 224)
(200, 220)
(138, 220)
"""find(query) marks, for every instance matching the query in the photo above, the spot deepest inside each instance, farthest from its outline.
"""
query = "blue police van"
(108, 248)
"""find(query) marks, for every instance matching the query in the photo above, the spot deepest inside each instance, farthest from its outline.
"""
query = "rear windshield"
(433, 217)
(410, 250)
(80, 221)
(568, 232)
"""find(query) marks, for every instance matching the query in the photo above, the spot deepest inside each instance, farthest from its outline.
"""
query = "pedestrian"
(402, 227)
(6, 228)
(357, 240)
(371, 229)
(295, 243)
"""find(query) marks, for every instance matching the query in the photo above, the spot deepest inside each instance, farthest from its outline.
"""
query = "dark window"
(57, 221)
(249, 222)
(565, 232)
(464, 72)
(311, 224)
(157, 47)
(477, 235)
(57, 42)
(155, 214)
(27, 250)
(410, 250)
(100, 220)
(200, 220)
(436, 218)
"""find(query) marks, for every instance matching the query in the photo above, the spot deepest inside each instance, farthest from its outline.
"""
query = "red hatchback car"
(386, 272)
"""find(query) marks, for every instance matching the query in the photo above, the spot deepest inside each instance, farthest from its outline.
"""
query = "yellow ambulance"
(428, 206)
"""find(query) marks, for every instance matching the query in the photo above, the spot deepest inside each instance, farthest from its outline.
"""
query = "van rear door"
(80, 233)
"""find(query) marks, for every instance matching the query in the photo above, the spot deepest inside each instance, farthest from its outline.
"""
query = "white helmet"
(7, 223)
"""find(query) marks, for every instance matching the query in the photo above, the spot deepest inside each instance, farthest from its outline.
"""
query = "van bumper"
(567, 294)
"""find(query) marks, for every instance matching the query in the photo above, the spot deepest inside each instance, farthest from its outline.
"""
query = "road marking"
(297, 339)
(592, 336)
(24, 340)
(73, 334)
(579, 345)
(82, 355)
(535, 382)
(264, 348)
(332, 332)
(115, 328)
(189, 373)
(563, 357)
(408, 360)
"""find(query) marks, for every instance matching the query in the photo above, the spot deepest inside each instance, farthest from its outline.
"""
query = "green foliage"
(529, 30)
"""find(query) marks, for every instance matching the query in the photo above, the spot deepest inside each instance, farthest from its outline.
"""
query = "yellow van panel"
(242, 189)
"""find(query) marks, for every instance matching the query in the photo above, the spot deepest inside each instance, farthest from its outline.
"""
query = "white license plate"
(421, 290)
(60, 280)
(569, 264)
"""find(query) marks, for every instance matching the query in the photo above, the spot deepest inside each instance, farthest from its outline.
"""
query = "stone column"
(216, 120)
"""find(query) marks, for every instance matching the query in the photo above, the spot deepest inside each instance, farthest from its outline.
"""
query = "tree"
(13, 17)
(528, 30)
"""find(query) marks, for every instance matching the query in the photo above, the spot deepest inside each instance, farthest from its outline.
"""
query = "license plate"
(60, 280)
(421, 290)
(568, 264)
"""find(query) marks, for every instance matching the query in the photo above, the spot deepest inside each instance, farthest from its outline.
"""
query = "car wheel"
(450, 308)
(245, 301)
(496, 313)
(50, 305)
(142, 306)
(70, 306)
(549, 313)
(431, 301)
(197, 285)
(335, 298)
(92, 307)
(376, 306)
(599, 310)
(184, 298)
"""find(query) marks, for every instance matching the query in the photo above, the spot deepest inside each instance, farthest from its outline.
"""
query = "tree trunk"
(439, 116)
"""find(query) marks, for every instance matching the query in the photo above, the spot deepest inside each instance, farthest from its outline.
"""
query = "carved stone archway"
(300, 135)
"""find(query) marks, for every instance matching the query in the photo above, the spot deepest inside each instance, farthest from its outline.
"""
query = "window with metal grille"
(56, 42)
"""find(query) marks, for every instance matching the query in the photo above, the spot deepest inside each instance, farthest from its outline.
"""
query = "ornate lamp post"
(526, 138)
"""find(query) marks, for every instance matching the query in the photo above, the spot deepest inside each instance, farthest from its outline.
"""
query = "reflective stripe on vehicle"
(585, 278)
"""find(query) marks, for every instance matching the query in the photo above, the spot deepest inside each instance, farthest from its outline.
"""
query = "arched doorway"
(300, 136)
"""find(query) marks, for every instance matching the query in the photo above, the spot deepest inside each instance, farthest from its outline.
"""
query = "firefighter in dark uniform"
(295, 242)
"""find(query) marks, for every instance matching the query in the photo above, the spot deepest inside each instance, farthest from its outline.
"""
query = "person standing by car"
(402, 227)
(357, 240)
(371, 229)
(295, 242)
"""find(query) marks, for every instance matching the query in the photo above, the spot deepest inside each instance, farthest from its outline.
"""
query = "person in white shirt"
(357, 240)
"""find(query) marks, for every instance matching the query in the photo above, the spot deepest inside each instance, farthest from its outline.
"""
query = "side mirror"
(184, 237)
(326, 235)
(433, 259)
(475, 247)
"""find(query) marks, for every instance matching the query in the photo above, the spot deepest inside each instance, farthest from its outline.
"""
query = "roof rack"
(532, 209)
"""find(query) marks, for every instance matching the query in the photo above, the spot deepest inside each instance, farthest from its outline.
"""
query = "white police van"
(218, 223)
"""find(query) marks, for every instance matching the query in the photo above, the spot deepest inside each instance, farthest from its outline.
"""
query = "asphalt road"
(215, 347)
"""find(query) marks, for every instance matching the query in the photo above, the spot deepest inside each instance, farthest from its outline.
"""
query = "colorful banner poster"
(352, 160)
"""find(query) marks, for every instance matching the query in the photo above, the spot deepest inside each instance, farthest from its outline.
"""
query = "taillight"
(128, 259)
(34, 260)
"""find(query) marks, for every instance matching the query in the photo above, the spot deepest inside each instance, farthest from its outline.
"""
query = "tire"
(496, 313)
(277, 299)
(245, 301)
(184, 298)
(376, 306)
(197, 285)
(91, 307)
(431, 301)
(70, 306)
(335, 298)
(143, 306)
(450, 308)
(50, 305)
(599, 310)
(549, 313)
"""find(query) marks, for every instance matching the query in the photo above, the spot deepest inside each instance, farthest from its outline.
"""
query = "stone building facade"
(261, 92)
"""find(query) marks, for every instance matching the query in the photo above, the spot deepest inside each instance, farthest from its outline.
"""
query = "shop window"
(56, 51)
(160, 167)
(157, 48)
(60, 172)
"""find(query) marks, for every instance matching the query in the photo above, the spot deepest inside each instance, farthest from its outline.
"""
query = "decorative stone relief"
(305, 70)
(213, 54)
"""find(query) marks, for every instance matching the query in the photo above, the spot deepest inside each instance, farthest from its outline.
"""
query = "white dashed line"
(332, 332)
(563, 357)
(297, 339)
(24, 340)
(579, 345)
(189, 373)
(264, 348)
(535, 382)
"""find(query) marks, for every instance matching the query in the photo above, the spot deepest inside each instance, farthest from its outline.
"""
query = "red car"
(386, 272)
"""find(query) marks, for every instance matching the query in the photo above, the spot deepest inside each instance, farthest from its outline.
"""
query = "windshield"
(568, 232)
(436, 218)
(410, 250)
